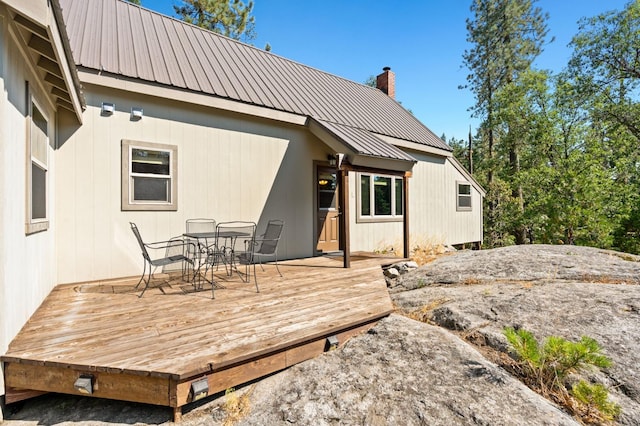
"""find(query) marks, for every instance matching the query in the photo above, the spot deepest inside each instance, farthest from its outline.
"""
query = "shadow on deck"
(163, 348)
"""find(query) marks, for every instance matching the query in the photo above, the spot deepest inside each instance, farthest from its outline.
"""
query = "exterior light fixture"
(332, 160)
(331, 343)
(84, 384)
(199, 389)
(107, 108)
(136, 113)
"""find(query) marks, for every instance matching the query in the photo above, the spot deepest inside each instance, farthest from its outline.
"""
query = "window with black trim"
(37, 168)
(380, 197)
(463, 196)
(149, 176)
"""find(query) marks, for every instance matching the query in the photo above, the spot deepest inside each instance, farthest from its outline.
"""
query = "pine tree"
(507, 36)
(231, 18)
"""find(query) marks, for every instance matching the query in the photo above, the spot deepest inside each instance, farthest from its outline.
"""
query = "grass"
(236, 406)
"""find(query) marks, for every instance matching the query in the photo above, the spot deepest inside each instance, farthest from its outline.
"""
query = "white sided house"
(126, 115)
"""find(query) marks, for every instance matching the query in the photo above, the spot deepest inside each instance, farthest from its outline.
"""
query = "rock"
(391, 272)
(565, 291)
(402, 372)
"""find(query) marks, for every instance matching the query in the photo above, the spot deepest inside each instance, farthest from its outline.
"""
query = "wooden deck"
(151, 349)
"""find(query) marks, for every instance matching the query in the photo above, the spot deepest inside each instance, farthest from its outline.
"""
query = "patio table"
(203, 237)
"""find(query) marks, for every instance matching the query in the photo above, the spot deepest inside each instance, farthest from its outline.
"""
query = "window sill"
(35, 227)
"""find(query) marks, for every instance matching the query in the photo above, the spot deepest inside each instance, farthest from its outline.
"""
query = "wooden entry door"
(328, 214)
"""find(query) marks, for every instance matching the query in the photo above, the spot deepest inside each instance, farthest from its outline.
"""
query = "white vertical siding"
(432, 211)
(230, 167)
(27, 263)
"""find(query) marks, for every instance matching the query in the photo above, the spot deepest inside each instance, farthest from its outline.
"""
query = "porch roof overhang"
(361, 147)
(40, 26)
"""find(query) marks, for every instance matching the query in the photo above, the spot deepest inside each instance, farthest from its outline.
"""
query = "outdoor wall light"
(199, 389)
(84, 384)
(107, 108)
(332, 343)
(136, 113)
(332, 160)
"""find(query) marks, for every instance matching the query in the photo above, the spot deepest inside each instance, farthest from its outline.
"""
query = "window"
(37, 168)
(381, 197)
(149, 176)
(463, 196)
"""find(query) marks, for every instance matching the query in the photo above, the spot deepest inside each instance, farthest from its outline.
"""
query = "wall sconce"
(84, 384)
(107, 108)
(136, 113)
(199, 389)
(332, 160)
(331, 343)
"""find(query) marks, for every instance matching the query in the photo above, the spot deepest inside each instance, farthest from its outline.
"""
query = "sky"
(421, 40)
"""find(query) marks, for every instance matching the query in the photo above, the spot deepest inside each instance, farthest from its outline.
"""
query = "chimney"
(387, 82)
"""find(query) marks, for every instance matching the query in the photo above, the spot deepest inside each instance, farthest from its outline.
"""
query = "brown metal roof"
(118, 37)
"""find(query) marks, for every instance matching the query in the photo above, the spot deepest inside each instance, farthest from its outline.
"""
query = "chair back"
(145, 254)
(271, 237)
(238, 234)
(201, 225)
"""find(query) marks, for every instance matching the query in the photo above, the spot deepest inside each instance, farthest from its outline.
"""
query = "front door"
(328, 217)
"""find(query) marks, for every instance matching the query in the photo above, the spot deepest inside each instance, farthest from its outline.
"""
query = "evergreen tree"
(507, 36)
(231, 18)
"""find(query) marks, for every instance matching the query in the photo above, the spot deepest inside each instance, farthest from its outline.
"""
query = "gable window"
(463, 196)
(149, 176)
(380, 197)
(37, 168)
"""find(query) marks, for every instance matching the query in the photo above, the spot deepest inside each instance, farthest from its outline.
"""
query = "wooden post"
(405, 200)
(177, 414)
(344, 217)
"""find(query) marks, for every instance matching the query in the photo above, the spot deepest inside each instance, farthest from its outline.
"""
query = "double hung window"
(463, 196)
(149, 176)
(37, 168)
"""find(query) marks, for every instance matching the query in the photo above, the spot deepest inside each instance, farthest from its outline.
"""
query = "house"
(122, 114)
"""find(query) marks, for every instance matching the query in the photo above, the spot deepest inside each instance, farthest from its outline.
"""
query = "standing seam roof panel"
(89, 43)
(126, 58)
(206, 63)
(158, 64)
(244, 77)
(213, 56)
(181, 48)
(108, 50)
(280, 85)
(140, 48)
(171, 59)
(228, 69)
(321, 96)
(297, 83)
(194, 53)
(74, 29)
(259, 70)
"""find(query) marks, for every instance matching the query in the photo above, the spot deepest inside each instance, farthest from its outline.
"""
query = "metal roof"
(121, 38)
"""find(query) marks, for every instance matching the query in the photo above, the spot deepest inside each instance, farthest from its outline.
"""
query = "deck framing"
(150, 350)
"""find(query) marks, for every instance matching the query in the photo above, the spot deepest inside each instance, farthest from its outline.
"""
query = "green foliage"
(546, 366)
(596, 398)
(134, 2)
(231, 18)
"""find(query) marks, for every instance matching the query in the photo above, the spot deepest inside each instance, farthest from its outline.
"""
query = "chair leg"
(277, 268)
(255, 277)
(146, 284)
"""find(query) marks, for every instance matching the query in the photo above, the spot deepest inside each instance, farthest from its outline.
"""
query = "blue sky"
(421, 40)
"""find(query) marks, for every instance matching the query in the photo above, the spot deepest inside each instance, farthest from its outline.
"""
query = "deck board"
(178, 333)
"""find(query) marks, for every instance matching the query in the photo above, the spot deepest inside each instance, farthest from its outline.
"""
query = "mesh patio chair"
(199, 225)
(233, 240)
(265, 246)
(170, 256)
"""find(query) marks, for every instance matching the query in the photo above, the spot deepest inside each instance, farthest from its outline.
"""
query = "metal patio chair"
(264, 246)
(170, 256)
(233, 240)
(197, 226)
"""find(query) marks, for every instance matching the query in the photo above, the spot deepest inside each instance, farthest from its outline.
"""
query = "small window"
(37, 169)
(149, 176)
(464, 196)
(381, 197)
